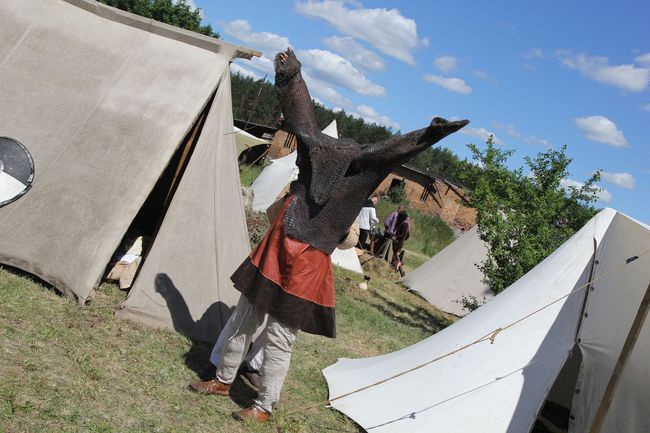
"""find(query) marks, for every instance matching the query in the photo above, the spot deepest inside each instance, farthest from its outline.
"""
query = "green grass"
(248, 173)
(71, 369)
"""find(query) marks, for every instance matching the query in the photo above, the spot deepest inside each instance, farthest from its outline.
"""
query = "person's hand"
(286, 66)
(283, 56)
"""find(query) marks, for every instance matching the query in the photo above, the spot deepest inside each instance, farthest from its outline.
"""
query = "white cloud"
(622, 180)
(643, 59)
(480, 133)
(264, 41)
(370, 115)
(235, 68)
(456, 85)
(262, 64)
(445, 63)
(534, 53)
(601, 129)
(626, 77)
(482, 75)
(385, 29)
(512, 131)
(355, 53)
(321, 90)
(604, 196)
(334, 69)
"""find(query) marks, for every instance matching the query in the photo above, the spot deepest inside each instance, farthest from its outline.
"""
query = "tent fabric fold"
(501, 387)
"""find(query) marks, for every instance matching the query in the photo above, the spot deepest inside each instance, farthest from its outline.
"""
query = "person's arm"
(295, 101)
(373, 217)
(397, 150)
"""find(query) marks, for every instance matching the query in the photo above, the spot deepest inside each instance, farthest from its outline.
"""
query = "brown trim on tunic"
(289, 309)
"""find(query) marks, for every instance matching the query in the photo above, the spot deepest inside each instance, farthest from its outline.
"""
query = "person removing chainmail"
(286, 283)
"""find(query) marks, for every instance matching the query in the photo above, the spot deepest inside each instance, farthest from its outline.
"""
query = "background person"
(402, 232)
(367, 220)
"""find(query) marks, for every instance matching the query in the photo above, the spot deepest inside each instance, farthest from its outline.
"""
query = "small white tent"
(452, 274)
(450, 384)
(245, 140)
(107, 103)
(275, 177)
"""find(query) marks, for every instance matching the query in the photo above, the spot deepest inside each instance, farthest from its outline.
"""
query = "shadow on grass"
(197, 358)
(416, 317)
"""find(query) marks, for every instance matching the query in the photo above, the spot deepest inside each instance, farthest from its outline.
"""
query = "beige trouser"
(277, 343)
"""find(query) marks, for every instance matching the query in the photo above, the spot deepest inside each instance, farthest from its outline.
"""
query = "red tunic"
(290, 280)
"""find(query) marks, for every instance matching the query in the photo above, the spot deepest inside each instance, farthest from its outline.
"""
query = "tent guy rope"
(491, 337)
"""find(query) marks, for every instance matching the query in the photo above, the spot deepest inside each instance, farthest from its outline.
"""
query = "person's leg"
(240, 329)
(236, 337)
(255, 357)
(363, 234)
(278, 344)
(252, 365)
(279, 340)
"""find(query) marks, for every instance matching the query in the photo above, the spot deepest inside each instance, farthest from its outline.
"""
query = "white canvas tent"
(105, 100)
(501, 386)
(452, 274)
(276, 176)
(245, 140)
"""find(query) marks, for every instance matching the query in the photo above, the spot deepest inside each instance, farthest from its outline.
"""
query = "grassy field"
(248, 173)
(71, 369)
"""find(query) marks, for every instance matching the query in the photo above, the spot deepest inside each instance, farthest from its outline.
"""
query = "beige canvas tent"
(122, 114)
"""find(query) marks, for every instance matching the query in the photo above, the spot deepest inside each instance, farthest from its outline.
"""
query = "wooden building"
(433, 195)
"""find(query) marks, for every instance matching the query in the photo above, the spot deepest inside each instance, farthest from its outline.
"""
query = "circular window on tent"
(16, 170)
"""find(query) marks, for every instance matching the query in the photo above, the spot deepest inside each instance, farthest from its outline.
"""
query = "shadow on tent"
(198, 357)
(546, 369)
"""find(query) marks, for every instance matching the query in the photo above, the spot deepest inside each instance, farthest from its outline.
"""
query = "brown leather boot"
(252, 413)
(211, 387)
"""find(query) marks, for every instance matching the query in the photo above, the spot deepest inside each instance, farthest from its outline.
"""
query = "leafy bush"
(524, 217)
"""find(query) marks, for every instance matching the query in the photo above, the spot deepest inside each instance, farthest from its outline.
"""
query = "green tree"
(524, 217)
(177, 13)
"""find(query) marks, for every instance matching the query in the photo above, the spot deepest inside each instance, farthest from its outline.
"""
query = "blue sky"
(533, 74)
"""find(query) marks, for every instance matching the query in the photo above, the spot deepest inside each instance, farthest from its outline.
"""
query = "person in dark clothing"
(286, 283)
(402, 233)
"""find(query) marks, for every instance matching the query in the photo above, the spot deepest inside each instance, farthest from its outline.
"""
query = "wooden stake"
(619, 368)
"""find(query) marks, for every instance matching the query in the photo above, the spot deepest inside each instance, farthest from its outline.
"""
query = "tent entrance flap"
(152, 212)
(143, 229)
